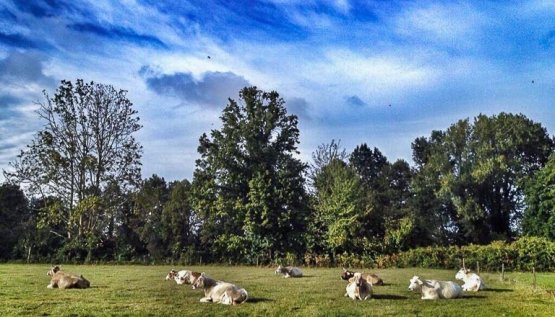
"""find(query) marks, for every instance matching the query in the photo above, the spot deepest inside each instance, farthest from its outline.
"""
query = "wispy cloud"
(118, 33)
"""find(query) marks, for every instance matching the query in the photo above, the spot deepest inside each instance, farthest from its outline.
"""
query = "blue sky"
(375, 72)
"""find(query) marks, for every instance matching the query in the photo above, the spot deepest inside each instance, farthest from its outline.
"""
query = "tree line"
(75, 193)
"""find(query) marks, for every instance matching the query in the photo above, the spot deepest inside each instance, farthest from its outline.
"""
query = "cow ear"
(344, 270)
(202, 274)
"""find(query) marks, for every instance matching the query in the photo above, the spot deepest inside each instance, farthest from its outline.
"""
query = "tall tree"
(370, 165)
(179, 222)
(87, 142)
(539, 216)
(478, 168)
(14, 213)
(339, 208)
(149, 203)
(248, 186)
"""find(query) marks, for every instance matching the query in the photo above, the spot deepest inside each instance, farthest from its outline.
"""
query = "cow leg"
(205, 300)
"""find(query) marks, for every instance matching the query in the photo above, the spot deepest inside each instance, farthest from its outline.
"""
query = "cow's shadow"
(466, 296)
(389, 296)
(497, 290)
(259, 300)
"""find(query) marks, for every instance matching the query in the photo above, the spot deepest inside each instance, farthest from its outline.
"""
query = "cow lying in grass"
(432, 289)
(358, 288)
(220, 292)
(63, 280)
(472, 282)
(289, 271)
(373, 279)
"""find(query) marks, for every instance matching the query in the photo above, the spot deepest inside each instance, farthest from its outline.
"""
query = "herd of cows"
(359, 287)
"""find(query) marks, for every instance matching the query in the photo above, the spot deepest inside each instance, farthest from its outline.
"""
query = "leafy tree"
(87, 142)
(148, 208)
(179, 222)
(339, 206)
(13, 216)
(248, 186)
(370, 165)
(539, 216)
(399, 217)
(475, 171)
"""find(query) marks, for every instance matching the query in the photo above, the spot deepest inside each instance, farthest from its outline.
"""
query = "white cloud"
(453, 25)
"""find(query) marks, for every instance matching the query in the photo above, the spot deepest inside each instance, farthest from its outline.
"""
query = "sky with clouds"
(375, 72)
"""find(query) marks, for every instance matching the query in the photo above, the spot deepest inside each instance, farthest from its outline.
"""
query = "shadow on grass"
(389, 296)
(258, 300)
(466, 296)
(497, 290)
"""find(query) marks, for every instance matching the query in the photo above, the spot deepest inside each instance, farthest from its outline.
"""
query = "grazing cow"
(369, 277)
(220, 292)
(65, 280)
(472, 282)
(289, 271)
(432, 289)
(358, 288)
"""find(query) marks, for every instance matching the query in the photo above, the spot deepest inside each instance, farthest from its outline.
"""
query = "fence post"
(502, 271)
(477, 267)
(464, 267)
(534, 273)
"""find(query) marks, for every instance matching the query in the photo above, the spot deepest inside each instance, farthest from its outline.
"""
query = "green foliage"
(475, 172)
(523, 254)
(539, 216)
(14, 214)
(247, 186)
(86, 145)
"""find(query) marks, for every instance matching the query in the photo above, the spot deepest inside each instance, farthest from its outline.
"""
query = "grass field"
(142, 291)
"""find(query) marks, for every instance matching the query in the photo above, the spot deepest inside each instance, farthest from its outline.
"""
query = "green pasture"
(127, 290)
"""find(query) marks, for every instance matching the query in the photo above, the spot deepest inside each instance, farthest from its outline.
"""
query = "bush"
(523, 254)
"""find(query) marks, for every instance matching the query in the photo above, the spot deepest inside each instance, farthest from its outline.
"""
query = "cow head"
(357, 279)
(193, 277)
(199, 283)
(461, 274)
(415, 283)
(346, 275)
(53, 270)
(280, 270)
(171, 275)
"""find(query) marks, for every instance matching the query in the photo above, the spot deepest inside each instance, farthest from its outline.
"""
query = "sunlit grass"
(142, 290)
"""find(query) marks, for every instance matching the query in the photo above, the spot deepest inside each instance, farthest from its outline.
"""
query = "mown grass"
(142, 291)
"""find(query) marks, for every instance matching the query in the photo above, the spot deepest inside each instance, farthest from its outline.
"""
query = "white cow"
(432, 289)
(289, 271)
(472, 281)
(220, 292)
(180, 277)
(358, 288)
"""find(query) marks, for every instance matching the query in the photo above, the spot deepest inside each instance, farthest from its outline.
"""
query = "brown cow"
(63, 280)
(373, 279)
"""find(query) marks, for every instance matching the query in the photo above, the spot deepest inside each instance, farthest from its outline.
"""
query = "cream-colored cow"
(289, 271)
(472, 281)
(432, 289)
(63, 280)
(220, 292)
(358, 288)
